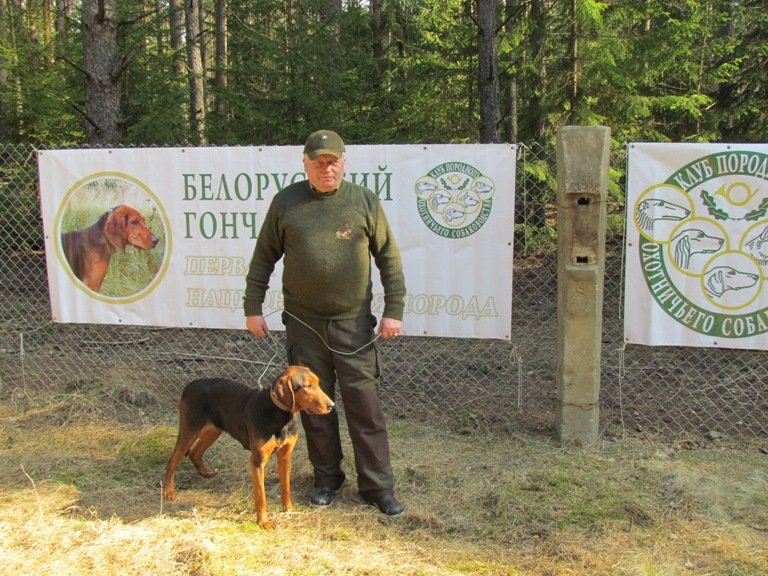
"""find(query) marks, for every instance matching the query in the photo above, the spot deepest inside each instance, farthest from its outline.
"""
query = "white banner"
(180, 260)
(697, 245)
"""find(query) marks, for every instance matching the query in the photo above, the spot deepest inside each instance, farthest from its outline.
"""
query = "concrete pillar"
(582, 189)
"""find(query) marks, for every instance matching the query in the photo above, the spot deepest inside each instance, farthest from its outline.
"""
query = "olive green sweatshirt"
(326, 242)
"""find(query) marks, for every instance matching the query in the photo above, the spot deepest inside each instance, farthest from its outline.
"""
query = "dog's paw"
(266, 524)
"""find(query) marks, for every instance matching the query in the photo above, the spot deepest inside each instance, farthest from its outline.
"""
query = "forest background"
(82, 454)
(251, 72)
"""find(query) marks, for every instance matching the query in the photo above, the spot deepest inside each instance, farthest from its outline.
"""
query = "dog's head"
(720, 279)
(298, 389)
(650, 210)
(125, 226)
(758, 247)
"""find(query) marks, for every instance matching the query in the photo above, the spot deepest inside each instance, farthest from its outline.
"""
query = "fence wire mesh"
(462, 384)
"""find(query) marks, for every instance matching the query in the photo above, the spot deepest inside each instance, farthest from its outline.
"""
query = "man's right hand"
(257, 326)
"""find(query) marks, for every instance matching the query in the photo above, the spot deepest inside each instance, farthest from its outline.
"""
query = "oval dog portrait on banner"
(112, 237)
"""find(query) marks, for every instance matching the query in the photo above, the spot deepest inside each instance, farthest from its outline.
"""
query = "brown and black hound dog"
(263, 421)
(89, 250)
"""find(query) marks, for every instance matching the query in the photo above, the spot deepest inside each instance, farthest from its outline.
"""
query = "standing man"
(326, 229)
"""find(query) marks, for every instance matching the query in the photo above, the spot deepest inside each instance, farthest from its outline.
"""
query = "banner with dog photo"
(697, 245)
(164, 236)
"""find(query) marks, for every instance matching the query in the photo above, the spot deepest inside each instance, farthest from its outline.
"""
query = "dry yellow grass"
(81, 496)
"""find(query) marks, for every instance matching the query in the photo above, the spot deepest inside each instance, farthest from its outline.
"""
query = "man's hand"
(389, 328)
(257, 326)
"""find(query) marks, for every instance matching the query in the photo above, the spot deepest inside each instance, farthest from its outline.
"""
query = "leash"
(323, 340)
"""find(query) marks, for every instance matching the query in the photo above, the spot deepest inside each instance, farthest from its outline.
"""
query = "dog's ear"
(115, 228)
(683, 252)
(284, 391)
(715, 283)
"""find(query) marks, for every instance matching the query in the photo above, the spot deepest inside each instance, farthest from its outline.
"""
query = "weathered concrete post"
(582, 188)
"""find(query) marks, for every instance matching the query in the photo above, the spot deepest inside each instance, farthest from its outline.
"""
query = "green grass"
(84, 498)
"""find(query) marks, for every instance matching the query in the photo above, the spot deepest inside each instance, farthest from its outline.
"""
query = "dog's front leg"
(259, 458)
(284, 460)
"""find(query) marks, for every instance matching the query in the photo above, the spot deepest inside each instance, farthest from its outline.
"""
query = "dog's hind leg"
(205, 437)
(183, 444)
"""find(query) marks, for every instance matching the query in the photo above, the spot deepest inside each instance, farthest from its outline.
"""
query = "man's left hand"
(389, 327)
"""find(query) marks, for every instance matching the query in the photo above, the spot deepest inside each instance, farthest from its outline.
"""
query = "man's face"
(324, 172)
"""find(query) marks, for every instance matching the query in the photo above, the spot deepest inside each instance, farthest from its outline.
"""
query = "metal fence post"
(582, 189)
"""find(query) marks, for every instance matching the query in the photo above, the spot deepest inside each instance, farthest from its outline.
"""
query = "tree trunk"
(63, 11)
(509, 117)
(573, 57)
(9, 103)
(331, 12)
(195, 75)
(161, 41)
(511, 125)
(539, 84)
(176, 14)
(102, 94)
(377, 34)
(488, 68)
(221, 57)
(201, 33)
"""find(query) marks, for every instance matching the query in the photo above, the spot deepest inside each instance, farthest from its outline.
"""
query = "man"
(326, 230)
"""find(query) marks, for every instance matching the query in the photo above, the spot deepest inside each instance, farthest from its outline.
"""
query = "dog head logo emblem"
(703, 243)
(454, 199)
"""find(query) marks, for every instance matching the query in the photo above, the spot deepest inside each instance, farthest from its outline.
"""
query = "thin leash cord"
(277, 349)
(323, 340)
(267, 367)
(263, 373)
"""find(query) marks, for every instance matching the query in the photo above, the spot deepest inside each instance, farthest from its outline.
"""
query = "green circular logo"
(703, 243)
(454, 199)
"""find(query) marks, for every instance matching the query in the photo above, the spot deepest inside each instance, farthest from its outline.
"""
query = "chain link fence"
(74, 371)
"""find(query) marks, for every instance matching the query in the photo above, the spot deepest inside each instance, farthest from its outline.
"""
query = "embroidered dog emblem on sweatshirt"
(345, 232)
